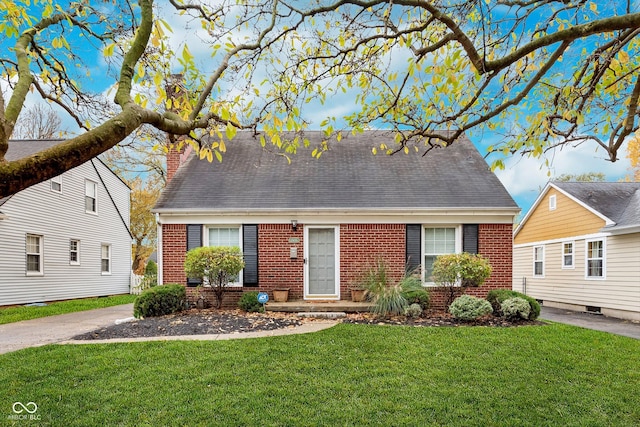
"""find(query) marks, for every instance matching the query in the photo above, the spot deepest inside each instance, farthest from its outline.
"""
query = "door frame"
(336, 236)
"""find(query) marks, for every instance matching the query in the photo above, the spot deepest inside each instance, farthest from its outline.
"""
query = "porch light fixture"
(294, 224)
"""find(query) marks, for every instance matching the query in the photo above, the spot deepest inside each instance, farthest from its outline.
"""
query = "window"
(74, 252)
(56, 184)
(105, 259)
(34, 254)
(552, 203)
(567, 255)
(538, 261)
(438, 241)
(90, 196)
(595, 258)
(225, 236)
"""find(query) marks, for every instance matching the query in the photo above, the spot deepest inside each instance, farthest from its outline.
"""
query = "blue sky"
(522, 177)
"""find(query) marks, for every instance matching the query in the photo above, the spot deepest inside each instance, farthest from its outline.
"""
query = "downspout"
(159, 249)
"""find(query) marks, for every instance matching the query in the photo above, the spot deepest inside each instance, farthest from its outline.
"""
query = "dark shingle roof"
(348, 176)
(618, 201)
(26, 147)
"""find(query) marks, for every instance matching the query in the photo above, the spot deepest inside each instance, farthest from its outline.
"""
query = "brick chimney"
(175, 156)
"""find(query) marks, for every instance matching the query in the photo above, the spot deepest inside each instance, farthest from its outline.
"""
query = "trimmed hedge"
(497, 296)
(160, 300)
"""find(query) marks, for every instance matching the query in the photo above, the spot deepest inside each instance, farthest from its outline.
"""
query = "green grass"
(16, 314)
(347, 375)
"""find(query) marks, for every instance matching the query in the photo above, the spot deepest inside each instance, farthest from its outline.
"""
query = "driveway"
(627, 328)
(52, 329)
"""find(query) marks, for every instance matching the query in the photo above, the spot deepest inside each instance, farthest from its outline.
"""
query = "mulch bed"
(211, 321)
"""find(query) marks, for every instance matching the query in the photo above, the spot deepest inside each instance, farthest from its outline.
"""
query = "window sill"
(34, 274)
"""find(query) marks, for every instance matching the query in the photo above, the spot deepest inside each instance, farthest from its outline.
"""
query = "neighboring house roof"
(617, 203)
(348, 176)
(26, 147)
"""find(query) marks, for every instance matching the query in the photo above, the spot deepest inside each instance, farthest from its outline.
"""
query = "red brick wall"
(361, 245)
(276, 269)
(174, 250)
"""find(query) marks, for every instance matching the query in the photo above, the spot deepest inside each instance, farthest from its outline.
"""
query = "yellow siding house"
(579, 248)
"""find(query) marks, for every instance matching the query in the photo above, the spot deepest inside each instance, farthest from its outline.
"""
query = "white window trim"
(458, 247)
(106, 273)
(40, 271)
(573, 256)
(604, 259)
(539, 276)
(77, 251)
(95, 186)
(56, 180)
(552, 202)
(205, 242)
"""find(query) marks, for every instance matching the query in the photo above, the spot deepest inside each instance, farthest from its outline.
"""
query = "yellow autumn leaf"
(623, 57)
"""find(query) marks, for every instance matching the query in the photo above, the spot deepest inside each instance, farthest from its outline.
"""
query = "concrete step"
(318, 306)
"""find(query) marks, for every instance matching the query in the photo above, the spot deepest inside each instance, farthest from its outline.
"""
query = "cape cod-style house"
(316, 225)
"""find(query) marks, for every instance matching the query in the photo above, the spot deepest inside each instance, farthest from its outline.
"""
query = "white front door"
(321, 268)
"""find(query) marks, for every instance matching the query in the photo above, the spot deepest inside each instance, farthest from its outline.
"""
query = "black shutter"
(470, 238)
(194, 240)
(250, 253)
(414, 236)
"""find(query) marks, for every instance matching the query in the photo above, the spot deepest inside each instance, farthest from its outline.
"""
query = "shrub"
(467, 307)
(249, 302)
(413, 291)
(497, 296)
(151, 269)
(160, 300)
(216, 266)
(414, 310)
(460, 270)
(389, 298)
(516, 307)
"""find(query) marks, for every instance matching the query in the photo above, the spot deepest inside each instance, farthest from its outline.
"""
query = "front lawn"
(16, 314)
(346, 375)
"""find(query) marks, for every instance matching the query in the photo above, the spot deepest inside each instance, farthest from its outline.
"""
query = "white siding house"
(67, 237)
(579, 248)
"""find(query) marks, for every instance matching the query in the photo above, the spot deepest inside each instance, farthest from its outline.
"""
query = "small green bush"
(467, 307)
(497, 296)
(516, 307)
(151, 269)
(460, 270)
(249, 302)
(414, 310)
(413, 291)
(160, 300)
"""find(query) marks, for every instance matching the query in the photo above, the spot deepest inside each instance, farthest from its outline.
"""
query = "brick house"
(316, 225)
